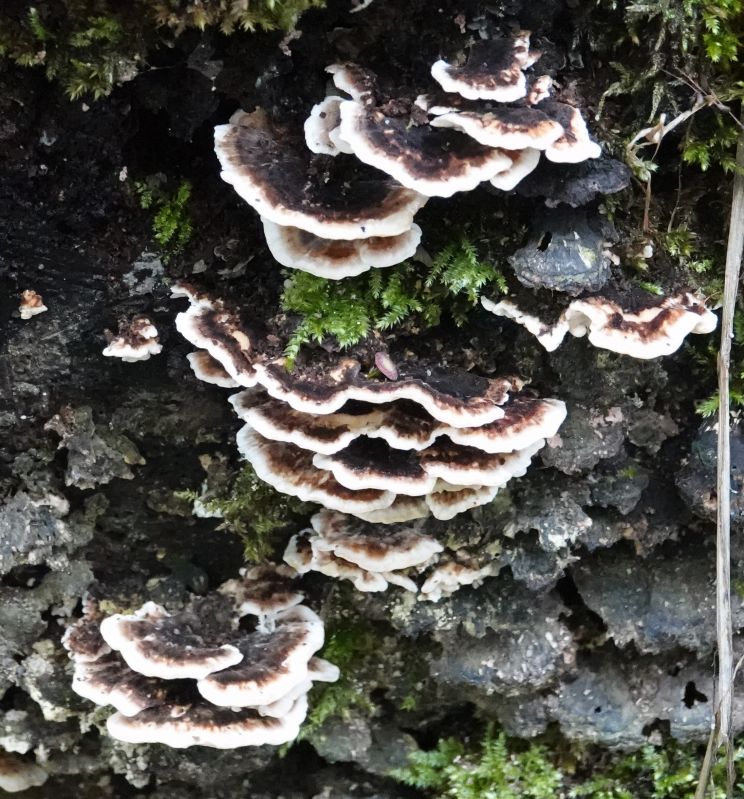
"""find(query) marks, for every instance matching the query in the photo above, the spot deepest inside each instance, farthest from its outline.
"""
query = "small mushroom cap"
(83, 639)
(436, 163)
(446, 504)
(31, 304)
(263, 590)
(493, 70)
(574, 145)
(274, 178)
(170, 646)
(274, 661)
(368, 464)
(449, 577)
(337, 258)
(373, 548)
(522, 163)
(359, 83)
(203, 724)
(290, 470)
(275, 420)
(221, 333)
(331, 565)
(468, 466)
(403, 509)
(504, 127)
(18, 774)
(454, 397)
(550, 337)
(372, 464)
(319, 127)
(210, 370)
(137, 341)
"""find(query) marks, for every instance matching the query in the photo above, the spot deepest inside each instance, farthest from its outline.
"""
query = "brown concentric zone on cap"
(330, 189)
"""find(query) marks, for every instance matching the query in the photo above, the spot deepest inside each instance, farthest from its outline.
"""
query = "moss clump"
(406, 295)
(506, 768)
(90, 46)
(253, 510)
(171, 225)
(349, 643)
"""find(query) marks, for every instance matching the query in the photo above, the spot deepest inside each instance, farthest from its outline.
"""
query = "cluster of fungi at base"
(231, 669)
(379, 453)
(343, 200)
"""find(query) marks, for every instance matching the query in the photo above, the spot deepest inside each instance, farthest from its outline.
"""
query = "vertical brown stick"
(723, 556)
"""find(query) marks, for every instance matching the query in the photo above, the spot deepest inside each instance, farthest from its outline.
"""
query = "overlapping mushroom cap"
(657, 327)
(432, 440)
(195, 676)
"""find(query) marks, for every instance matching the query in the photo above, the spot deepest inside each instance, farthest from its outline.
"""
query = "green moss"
(171, 225)
(506, 768)
(406, 294)
(90, 46)
(349, 643)
(253, 510)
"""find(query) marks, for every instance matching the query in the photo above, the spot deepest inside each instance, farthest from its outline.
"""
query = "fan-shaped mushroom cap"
(202, 724)
(263, 590)
(321, 135)
(374, 548)
(337, 258)
(290, 470)
(274, 661)
(207, 324)
(549, 336)
(109, 681)
(274, 178)
(367, 464)
(401, 426)
(31, 304)
(359, 83)
(574, 145)
(493, 70)
(210, 370)
(18, 774)
(156, 643)
(403, 509)
(504, 127)
(449, 577)
(435, 163)
(522, 163)
(137, 341)
(657, 329)
(447, 503)
(330, 433)
(453, 397)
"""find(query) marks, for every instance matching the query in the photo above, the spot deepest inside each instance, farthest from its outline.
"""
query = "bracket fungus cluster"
(432, 441)
(342, 201)
(231, 669)
(656, 327)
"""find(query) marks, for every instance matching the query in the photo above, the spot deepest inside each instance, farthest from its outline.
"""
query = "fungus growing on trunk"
(656, 327)
(136, 340)
(31, 304)
(195, 676)
(18, 774)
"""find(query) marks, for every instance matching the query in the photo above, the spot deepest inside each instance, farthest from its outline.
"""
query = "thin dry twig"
(734, 251)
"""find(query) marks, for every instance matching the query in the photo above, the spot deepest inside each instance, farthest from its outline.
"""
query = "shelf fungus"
(335, 217)
(651, 328)
(31, 304)
(136, 340)
(200, 676)
(427, 440)
(19, 774)
(370, 556)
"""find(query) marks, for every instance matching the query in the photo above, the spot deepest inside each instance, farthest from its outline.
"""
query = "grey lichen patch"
(95, 456)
